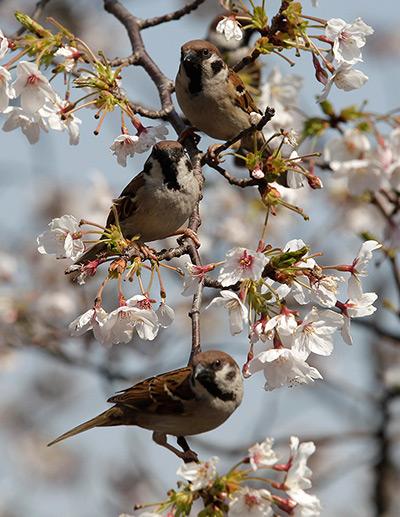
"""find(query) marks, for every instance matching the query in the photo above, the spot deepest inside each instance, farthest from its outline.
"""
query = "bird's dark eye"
(206, 52)
(216, 364)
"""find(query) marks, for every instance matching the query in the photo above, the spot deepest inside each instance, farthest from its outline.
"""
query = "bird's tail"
(110, 417)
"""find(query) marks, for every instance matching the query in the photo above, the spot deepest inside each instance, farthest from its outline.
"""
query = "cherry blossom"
(290, 195)
(127, 145)
(193, 276)
(262, 454)
(350, 157)
(238, 313)
(362, 176)
(59, 118)
(230, 28)
(96, 319)
(307, 505)
(315, 333)
(322, 290)
(298, 477)
(148, 136)
(121, 325)
(33, 87)
(145, 320)
(201, 475)
(345, 78)
(359, 265)
(30, 123)
(71, 55)
(250, 502)
(4, 46)
(242, 264)
(348, 39)
(353, 145)
(7, 92)
(360, 305)
(295, 179)
(284, 324)
(283, 367)
(278, 291)
(124, 146)
(280, 92)
(165, 315)
(63, 239)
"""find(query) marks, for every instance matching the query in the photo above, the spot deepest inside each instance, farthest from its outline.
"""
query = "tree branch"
(238, 182)
(269, 113)
(176, 15)
(247, 60)
(164, 86)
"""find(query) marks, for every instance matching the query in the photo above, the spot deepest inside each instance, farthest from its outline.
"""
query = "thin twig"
(238, 182)
(269, 113)
(176, 15)
(195, 316)
(247, 60)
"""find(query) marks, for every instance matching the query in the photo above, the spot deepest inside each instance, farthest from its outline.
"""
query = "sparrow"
(211, 95)
(183, 402)
(233, 51)
(157, 202)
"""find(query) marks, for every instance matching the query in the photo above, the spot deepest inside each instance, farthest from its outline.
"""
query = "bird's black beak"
(204, 374)
(190, 57)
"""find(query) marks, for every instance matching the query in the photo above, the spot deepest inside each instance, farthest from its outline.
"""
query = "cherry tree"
(246, 266)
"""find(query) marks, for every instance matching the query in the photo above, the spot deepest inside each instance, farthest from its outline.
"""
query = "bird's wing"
(243, 99)
(125, 204)
(162, 394)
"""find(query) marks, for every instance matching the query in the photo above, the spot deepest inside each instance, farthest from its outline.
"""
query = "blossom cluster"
(333, 66)
(41, 108)
(231, 495)
(266, 283)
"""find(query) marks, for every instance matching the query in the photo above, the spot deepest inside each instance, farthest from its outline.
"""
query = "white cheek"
(226, 384)
(209, 75)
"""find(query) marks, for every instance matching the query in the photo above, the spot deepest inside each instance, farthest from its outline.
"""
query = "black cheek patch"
(230, 375)
(217, 66)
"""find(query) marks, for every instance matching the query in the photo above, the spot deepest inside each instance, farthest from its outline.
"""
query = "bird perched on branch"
(157, 202)
(212, 96)
(183, 402)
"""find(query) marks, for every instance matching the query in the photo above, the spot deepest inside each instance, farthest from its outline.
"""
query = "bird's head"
(202, 57)
(218, 375)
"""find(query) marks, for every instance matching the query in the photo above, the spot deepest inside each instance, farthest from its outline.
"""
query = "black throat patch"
(193, 72)
(169, 166)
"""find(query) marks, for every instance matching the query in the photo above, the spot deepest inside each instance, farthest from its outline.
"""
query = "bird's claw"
(189, 456)
(212, 155)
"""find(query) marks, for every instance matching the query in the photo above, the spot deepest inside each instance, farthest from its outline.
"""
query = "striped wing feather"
(126, 202)
(162, 394)
(242, 97)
